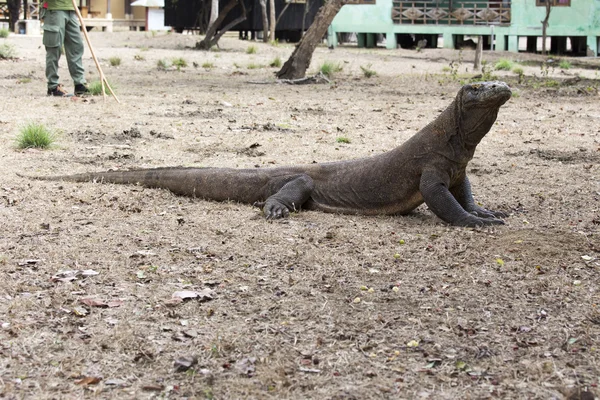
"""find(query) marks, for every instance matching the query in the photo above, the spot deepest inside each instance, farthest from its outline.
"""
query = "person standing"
(61, 28)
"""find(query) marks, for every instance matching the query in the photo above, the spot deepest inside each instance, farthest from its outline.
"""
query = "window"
(556, 3)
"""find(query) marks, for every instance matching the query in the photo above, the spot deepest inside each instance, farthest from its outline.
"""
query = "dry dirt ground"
(317, 306)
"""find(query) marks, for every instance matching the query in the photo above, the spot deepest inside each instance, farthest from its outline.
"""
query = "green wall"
(582, 18)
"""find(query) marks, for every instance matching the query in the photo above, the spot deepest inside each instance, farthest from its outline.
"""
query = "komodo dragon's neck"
(459, 130)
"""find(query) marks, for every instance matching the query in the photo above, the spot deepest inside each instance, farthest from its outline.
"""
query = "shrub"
(276, 63)
(367, 71)
(163, 64)
(251, 50)
(4, 33)
(180, 63)
(7, 51)
(504, 65)
(114, 61)
(35, 135)
(564, 64)
(329, 68)
(95, 88)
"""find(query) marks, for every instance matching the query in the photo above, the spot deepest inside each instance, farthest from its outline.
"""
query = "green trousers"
(62, 28)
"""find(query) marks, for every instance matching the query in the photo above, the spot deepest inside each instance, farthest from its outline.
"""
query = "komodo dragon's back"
(430, 167)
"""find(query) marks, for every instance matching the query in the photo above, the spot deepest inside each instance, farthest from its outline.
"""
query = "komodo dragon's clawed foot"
(472, 221)
(483, 213)
(274, 209)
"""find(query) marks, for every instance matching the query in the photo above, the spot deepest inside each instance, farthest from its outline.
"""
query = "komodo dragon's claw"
(275, 210)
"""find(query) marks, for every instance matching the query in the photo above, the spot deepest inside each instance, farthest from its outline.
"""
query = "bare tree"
(14, 8)
(213, 34)
(273, 24)
(545, 24)
(281, 13)
(478, 53)
(295, 67)
(272, 20)
(265, 18)
(214, 12)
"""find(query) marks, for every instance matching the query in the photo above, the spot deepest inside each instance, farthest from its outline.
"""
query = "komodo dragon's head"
(476, 108)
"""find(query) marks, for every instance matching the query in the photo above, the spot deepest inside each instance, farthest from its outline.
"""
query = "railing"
(360, 2)
(4, 14)
(449, 12)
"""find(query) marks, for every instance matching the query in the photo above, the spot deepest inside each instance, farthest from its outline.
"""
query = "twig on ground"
(318, 78)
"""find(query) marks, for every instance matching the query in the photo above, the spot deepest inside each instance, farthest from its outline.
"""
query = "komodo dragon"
(430, 167)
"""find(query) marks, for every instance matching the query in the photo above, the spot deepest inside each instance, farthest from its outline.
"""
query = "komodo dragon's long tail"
(221, 184)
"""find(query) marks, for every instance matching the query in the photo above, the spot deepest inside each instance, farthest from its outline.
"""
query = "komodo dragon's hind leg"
(464, 196)
(289, 197)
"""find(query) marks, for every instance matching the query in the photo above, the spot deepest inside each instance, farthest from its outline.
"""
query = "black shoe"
(58, 91)
(81, 89)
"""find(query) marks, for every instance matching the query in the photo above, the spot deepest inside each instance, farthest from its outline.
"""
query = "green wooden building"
(512, 25)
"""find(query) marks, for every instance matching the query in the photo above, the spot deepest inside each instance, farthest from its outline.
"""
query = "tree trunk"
(295, 67)
(306, 7)
(14, 8)
(272, 20)
(545, 25)
(214, 12)
(478, 53)
(281, 13)
(265, 18)
(212, 37)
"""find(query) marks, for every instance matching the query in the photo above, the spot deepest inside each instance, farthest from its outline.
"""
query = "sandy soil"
(319, 305)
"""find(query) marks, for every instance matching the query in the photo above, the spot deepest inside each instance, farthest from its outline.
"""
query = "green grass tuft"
(163, 64)
(114, 61)
(367, 71)
(564, 64)
(7, 52)
(95, 88)
(4, 33)
(35, 135)
(180, 63)
(251, 50)
(504, 65)
(342, 139)
(329, 68)
(551, 83)
(276, 63)
(254, 66)
(208, 65)
(518, 70)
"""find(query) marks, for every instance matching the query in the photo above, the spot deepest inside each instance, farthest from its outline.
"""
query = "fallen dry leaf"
(153, 388)
(88, 380)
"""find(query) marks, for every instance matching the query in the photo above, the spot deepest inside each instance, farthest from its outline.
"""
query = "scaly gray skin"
(430, 167)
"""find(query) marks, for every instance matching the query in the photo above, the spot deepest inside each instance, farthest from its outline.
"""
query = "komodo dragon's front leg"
(289, 197)
(437, 196)
(464, 196)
